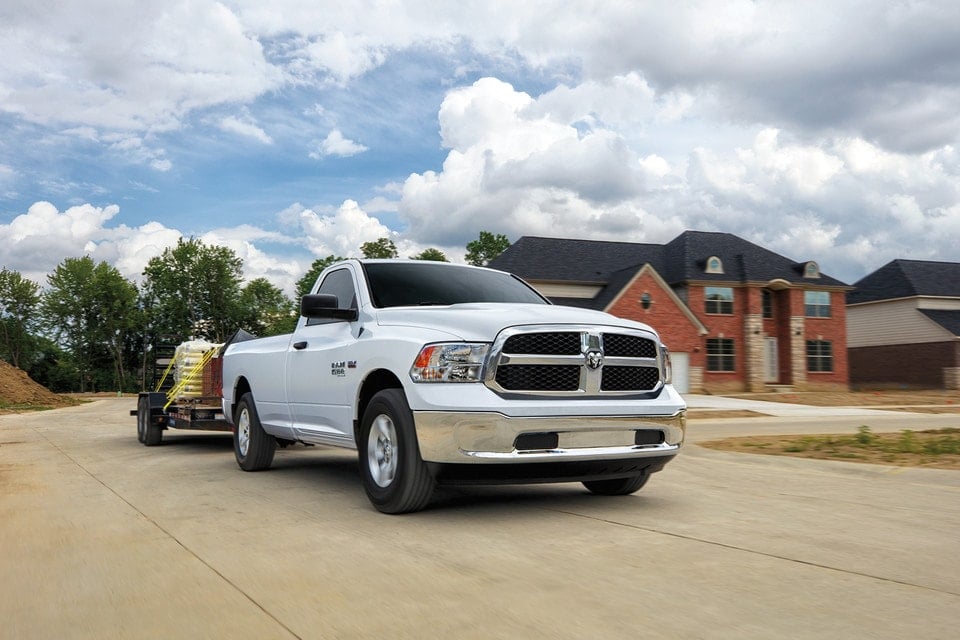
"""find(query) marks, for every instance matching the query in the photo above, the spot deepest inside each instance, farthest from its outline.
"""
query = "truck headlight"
(666, 366)
(450, 362)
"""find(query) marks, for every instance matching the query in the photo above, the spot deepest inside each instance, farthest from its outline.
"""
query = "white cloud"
(127, 67)
(336, 145)
(245, 126)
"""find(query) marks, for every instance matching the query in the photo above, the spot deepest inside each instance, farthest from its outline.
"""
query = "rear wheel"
(617, 486)
(395, 477)
(252, 446)
(148, 431)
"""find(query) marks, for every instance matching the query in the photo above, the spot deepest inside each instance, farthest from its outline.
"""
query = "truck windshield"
(401, 284)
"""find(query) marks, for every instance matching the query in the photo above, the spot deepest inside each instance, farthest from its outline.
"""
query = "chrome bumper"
(488, 438)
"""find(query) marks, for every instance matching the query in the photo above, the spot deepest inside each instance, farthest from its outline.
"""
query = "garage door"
(681, 371)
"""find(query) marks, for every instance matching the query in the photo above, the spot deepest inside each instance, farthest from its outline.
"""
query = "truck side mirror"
(325, 305)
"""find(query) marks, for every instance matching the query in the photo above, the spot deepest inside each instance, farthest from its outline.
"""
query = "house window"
(714, 265)
(720, 356)
(819, 355)
(811, 270)
(816, 304)
(767, 303)
(646, 300)
(719, 300)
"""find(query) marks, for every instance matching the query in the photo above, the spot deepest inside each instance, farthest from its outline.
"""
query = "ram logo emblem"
(594, 359)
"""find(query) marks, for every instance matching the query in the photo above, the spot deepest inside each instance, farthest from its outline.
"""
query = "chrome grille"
(574, 361)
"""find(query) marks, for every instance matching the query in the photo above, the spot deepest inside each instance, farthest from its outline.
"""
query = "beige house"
(903, 326)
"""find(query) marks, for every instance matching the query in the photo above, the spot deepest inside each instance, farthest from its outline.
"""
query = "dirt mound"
(18, 391)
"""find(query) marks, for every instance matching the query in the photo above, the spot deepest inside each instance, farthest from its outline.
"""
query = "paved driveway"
(104, 538)
(783, 409)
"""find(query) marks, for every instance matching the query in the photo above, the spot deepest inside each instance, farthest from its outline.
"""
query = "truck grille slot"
(539, 377)
(579, 361)
(616, 344)
(629, 378)
(566, 343)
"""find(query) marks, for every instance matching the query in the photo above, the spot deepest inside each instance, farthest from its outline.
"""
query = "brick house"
(903, 323)
(736, 316)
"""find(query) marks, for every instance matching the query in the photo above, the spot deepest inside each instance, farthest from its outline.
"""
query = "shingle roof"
(571, 260)
(949, 319)
(907, 279)
(682, 259)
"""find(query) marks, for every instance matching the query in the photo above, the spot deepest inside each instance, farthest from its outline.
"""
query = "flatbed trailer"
(193, 402)
(155, 413)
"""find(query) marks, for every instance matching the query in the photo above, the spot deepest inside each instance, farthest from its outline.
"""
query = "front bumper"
(491, 438)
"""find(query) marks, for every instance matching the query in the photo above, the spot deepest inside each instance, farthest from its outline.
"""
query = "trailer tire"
(143, 412)
(252, 446)
(395, 477)
(152, 432)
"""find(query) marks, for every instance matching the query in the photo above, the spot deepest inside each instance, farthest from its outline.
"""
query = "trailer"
(187, 395)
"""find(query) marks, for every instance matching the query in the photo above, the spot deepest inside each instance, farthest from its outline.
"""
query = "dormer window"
(714, 265)
(811, 270)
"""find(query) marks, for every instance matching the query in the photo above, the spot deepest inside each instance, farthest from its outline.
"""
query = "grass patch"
(939, 448)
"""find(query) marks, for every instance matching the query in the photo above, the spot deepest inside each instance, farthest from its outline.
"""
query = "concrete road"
(101, 537)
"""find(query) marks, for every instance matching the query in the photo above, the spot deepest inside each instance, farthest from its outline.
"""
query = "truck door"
(320, 369)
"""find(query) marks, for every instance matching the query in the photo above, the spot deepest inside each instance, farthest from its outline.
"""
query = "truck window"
(400, 284)
(340, 284)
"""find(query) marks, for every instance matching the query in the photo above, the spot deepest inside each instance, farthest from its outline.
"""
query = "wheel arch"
(376, 381)
(241, 387)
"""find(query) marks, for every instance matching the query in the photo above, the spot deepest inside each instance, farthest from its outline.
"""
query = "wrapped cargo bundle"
(191, 359)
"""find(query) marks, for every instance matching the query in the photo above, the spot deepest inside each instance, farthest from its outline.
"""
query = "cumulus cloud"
(517, 167)
(336, 145)
(35, 242)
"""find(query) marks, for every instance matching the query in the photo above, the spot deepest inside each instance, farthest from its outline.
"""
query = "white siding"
(561, 290)
(895, 322)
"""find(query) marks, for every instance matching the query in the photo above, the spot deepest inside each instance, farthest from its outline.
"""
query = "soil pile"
(18, 391)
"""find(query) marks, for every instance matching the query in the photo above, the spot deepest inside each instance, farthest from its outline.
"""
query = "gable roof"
(908, 279)
(949, 319)
(682, 259)
(571, 260)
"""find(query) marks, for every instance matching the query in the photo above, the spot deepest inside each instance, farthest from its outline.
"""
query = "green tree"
(382, 248)
(193, 290)
(485, 248)
(431, 254)
(91, 310)
(19, 299)
(269, 311)
(305, 284)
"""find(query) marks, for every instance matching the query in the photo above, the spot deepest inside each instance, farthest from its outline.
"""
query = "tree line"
(91, 329)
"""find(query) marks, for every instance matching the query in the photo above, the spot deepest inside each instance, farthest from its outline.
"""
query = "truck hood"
(482, 321)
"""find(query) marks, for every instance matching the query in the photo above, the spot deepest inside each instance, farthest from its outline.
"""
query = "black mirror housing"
(325, 305)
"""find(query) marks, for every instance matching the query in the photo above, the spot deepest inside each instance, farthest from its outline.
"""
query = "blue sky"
(298, 129)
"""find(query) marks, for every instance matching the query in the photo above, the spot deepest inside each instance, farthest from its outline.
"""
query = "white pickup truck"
(445, 373)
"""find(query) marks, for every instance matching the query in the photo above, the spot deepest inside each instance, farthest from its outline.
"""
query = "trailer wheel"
(152, 433)
(143, 412)
(253, 447)
(395, 477)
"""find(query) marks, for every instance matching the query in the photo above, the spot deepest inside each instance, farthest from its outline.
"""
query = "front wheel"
(395, 477)
(617, 486)
(252, 446)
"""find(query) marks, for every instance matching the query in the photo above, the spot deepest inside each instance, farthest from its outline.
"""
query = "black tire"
(143, 413)
(152, 432)
(617, 486)
(394, 475)
(252, 446)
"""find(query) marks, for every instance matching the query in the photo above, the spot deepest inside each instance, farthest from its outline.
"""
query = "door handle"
(300, 345)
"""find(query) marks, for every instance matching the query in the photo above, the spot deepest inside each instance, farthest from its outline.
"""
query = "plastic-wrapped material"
(187, 372)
